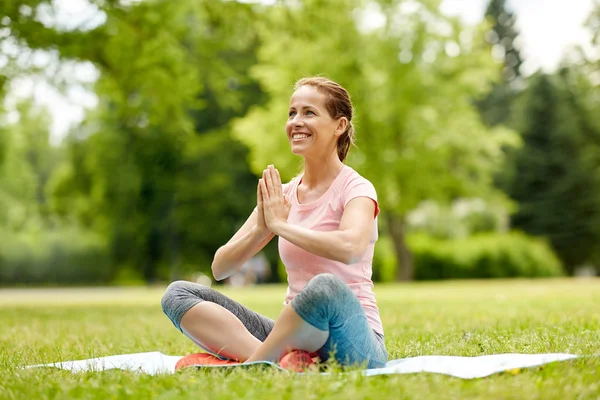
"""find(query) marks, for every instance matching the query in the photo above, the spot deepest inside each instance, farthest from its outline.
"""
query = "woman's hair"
(338, 105)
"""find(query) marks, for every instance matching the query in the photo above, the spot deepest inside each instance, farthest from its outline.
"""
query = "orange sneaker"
(297, 360)
(201, 359)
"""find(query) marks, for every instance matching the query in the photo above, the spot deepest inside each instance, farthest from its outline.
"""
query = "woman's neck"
(319, 172)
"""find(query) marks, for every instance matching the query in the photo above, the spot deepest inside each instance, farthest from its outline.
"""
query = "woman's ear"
(341, 127)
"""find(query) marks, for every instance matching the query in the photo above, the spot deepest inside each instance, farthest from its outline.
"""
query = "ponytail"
(345, 141)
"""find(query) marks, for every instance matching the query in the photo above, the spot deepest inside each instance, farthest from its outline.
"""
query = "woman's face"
(310, 129)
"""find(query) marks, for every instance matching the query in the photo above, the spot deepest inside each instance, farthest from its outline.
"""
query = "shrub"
(384, 260)
(490, 255)
(463, 218)
(65, 256)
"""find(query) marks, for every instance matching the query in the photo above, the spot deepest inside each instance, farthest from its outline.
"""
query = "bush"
(65, 256)
(463, 218)
(384, 260)
(489, 255)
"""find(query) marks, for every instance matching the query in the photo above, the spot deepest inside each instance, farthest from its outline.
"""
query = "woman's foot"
(298, 360)
(202, 359)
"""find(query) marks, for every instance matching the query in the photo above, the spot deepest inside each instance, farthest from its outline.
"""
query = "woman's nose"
(297, 120)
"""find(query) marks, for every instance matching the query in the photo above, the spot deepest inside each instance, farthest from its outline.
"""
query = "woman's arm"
(246, 242)
(347, 244)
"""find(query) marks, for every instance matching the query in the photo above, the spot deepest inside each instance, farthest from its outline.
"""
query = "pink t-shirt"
(325, 214)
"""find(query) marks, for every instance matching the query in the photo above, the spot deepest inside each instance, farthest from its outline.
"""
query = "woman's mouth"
(300, 136)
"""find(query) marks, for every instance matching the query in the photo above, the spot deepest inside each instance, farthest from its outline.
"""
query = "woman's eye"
(291, 114)
(310, 112)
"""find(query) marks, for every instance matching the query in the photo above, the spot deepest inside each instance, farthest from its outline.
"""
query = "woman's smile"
(300, 136)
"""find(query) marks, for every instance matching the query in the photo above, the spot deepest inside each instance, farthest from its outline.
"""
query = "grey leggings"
(326, 303)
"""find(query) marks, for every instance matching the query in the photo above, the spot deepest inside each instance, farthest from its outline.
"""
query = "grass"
(449, 318)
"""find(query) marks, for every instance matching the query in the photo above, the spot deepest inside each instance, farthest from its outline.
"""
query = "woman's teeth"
(300, 136)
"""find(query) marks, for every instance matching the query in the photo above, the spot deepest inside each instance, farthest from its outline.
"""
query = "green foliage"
(410, 113)
(3, 141)
(61, 256)
(556, 172)
(411, 80)
(385, 260)
(172, 206)
(463, 218)
(483, 256)
(159, 176)
(28, 165)
(154, 168)
(495, 107)
(504, 34)
(593, 24)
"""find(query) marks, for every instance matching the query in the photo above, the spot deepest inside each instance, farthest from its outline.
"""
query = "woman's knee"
(322, 300)
(173, 292)
(321, 292)
(326, 287)
(179, 297)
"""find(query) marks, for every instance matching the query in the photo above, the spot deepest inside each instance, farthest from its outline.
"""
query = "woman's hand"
(261, 226)
(274, 205)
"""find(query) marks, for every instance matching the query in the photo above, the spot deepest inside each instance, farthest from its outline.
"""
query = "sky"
(548, 28)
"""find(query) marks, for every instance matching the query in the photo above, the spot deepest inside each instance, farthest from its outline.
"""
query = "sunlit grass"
(449, 318)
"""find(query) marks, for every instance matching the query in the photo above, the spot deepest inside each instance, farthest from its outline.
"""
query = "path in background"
(499, 289)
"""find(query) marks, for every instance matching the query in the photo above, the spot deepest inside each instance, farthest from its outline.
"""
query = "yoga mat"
(154, 363)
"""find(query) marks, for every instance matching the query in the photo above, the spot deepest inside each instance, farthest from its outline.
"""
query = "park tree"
(29, 162)
(504, 34)
(495, 106)
(591, 65)
(411, 78)
(593, 23)
(154, 167)
(4, 132)
(557, 171)
(555, 176)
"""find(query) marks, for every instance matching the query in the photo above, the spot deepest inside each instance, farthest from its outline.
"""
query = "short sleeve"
(285, 188)
(360, 187)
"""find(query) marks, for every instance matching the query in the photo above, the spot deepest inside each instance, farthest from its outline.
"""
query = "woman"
(326, 220)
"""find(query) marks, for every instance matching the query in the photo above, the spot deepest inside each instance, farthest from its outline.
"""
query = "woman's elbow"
(216, 274)
(353, 259)
(353, 252)
(217, 269)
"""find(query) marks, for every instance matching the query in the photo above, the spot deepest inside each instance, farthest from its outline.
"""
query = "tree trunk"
(405, 269)
(173, 248)
(153, 255)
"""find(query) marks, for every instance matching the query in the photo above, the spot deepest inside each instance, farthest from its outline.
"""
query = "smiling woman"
(314, 99)
(326, 221)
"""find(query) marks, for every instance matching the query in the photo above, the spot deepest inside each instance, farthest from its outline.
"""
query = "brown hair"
(338, 105)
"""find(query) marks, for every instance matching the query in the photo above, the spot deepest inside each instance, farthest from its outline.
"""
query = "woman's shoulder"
(353, 179)
(355, 185)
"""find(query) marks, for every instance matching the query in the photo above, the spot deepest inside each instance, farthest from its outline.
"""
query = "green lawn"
(46, 325)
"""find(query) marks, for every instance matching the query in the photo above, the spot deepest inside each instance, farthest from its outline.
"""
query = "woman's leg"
(291, 332)
(213, 321)
(326, 317)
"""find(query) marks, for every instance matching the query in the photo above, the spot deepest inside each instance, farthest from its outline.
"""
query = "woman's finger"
(278, 182)
(274, 189)
(259, 195)
(270, 181)
(264, 186)
(264, 192)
